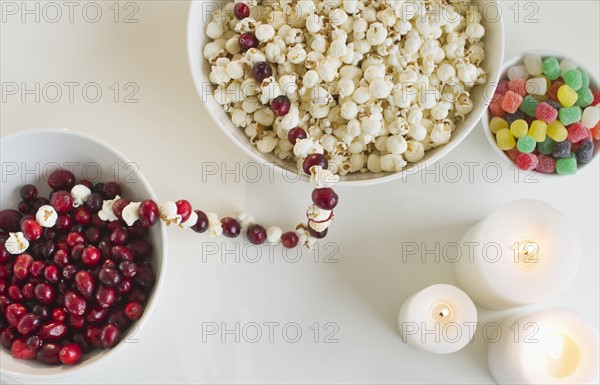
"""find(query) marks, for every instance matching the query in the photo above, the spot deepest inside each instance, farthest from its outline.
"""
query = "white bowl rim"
(387, 176)
(152, 303)
(485, 119)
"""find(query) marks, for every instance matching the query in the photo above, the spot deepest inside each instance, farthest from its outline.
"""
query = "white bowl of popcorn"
(380, 92)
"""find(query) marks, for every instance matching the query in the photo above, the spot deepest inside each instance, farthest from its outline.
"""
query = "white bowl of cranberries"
(72, 285)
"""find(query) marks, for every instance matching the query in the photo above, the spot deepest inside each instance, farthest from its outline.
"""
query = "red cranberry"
(93, 234)
(106, 296)
(7, 336)
(96, 315)
(6, 270)
(82, 215)
(63, 222)
(61, 258)
(314, 160)
(74, 304)
(119, 236)
(137, 230)
(111, 190)
(121, 253)
(61, 180)
(28, 291)
(95, 202)
(241, 11)
(124, 287)
(37, 269)
(99, 188)
(247, 40)
(28, 324)
(14, 293)
(86, 183)
(48, 248)
(20, 350)
(296, 134)
(69, 272)
(256, 234)
(281, 105)
(136, 296)
(70, 354)
(184, 208)
(133, 310)
(148, 213)
(14, 313)
(28, 192)
(92, 336)
(9, 220)
(3, 286)
(231, 227)
(317, 234)
(41, 312)
(53, 331)
(51, 273)
(79, 339)
(109, 336)
(140, 248)
(62, 201)
(128, 268)
(48, 354)
(325, 198)
(25, 208)
(76, 321)
(84, 283)
(4, 254)
(34, 343)
(261, 71)
(31, 229)
(74, 238)
(44, 293)
(118, 207)
(145, 276)
(59, 315)
(109, 277)
(202, 222)
(39, 202)
(22, 265)
(90, 256)
(105, 248)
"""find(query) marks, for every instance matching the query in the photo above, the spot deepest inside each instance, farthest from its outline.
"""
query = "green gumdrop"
(585, 79)
(526, 144)
(546, 147)
(567, 166)
(528, 105)
(569, 115)
(585, 97)
(551, 68)
(573, 79)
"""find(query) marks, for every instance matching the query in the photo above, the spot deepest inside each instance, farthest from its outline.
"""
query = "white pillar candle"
(524, 252)
(438, 319)
(552, 346)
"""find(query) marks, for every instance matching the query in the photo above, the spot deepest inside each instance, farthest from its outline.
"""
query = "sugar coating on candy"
(595, 132)
(533, 63)
(512, 154)
(562, 149)
(526, 144)
(566, 65)
(573, 79)
(585, 152)
(511, 102)
(518, 71)
(537, 130)
(497, 124)
(529, 105)
(585, 79)
(569, 115)
(546, 112)
(519, 128)
(590, 117)
(536, 86)
(546, 147)
(527, 162)
(546, 164)
(566, 166)
(556, 131)
(510, 118)
(505, 140)
(518, 86)
(596, 100)
(496, 109)
(567, 96)
(577, 133)
(553, 90)
(554, 104)
(551, 68)
(584, 97)
(502, 87)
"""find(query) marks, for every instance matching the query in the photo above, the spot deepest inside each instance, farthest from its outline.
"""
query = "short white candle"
(553, 346)
(524, 252)
(438, 319)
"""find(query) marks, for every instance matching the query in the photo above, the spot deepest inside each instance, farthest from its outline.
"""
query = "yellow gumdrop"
(556, 131)
(566, 96)
(505, 140)
(497, 123)
(538, 130)
(519, 128)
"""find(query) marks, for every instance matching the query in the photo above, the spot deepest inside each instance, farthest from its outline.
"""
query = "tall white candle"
(552, 346)
(438, 319)
(524, 252)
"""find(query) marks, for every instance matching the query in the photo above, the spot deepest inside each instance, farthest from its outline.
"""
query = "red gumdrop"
(577, 132)
(546, 164)
(513, 153)
(596, 98)
(496, 109)
(502, 87)
(518, 86)
(546, 112)
(553, 90)
(511, 102)
(527, 162)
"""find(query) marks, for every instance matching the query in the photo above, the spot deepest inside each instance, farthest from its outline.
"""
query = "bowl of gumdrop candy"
(544, 115)
(84, 282)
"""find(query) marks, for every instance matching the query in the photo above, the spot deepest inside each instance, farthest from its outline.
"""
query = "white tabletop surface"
(169, 134)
